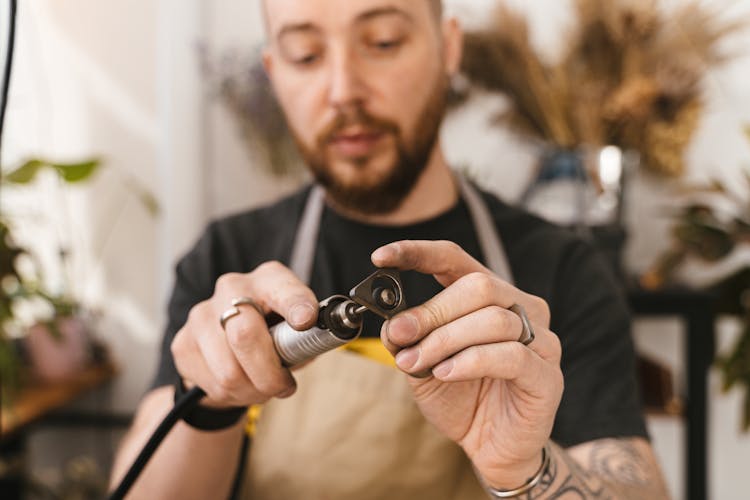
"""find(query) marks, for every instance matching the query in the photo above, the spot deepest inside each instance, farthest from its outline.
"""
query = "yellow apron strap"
(373, 349)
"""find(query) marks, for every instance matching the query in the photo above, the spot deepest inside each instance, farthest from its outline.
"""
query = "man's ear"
(267, 59)
(453, 44)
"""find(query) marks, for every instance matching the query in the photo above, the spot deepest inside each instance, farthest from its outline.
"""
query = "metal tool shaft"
(339, 323)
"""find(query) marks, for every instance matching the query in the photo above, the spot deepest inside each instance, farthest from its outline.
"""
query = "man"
(471, 410)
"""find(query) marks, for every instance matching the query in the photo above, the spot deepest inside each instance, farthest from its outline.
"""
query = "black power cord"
(182, 407)
(8, 67)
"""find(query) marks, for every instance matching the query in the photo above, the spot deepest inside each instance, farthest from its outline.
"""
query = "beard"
(382, 193)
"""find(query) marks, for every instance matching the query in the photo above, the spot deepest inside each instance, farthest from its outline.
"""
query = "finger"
(443, 259)
(487, 326)
(190, 363)
(217, 394)
(231, 379)
(468, 294)
(251, 344)
(511, 361)
(276, 288)
(192, 367)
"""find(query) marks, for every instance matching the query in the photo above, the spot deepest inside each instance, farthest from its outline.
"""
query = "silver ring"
(235, 309)
(527, 335)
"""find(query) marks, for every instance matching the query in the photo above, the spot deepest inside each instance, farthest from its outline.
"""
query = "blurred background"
(130, 125)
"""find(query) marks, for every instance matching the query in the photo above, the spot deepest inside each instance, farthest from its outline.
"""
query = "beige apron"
(352, 430)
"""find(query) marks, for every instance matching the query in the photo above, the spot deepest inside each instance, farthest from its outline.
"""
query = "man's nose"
(346, 84)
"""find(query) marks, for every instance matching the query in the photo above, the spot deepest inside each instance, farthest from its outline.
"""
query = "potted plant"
(49, 326)
(45, 323)
(711, 239)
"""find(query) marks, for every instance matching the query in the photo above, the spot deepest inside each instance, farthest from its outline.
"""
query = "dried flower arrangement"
(711, 228)
(241, 84)
(630, 75)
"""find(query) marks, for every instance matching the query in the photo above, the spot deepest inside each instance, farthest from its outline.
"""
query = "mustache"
(355, 117)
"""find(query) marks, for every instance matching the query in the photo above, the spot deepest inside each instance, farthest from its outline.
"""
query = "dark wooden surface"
(38, 400)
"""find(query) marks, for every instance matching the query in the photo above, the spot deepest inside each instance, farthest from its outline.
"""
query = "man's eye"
(305, 60)
(386, 45)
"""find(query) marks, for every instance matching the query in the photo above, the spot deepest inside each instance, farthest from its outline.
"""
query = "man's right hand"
(239, 366)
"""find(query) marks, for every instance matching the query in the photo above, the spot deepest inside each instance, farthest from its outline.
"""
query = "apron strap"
(306, 239)
(489, 239)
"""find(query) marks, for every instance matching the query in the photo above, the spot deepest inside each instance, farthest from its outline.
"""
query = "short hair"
(435, 5)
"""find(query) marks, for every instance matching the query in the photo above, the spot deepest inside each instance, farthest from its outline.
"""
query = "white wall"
(121, 79)
(84, 88)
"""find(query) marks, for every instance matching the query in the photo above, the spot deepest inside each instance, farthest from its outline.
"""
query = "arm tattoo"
(572, 483)
(610, 469)
(620, 462)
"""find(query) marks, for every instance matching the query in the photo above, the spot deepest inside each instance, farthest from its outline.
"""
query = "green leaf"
(77, 172)
(147, 199)
(150, 202)
(68, 172)
(25, 173)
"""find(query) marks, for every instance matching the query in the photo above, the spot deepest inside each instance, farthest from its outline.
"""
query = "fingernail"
(407, 358)
(443, 369)
(301, 314)
(403, 329)
(382, 253)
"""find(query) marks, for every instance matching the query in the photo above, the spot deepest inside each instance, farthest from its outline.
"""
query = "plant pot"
(58, 355)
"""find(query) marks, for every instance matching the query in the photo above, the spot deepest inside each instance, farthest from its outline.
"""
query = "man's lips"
(356, 143)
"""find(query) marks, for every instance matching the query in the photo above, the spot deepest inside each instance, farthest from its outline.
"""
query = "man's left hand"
(472, 379)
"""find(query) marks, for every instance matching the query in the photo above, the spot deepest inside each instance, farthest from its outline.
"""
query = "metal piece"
(360, 309)
(235, 309)
(227, 315)
(340, 318)
(385, 297)
(381, 293)
(338, 324)
(247, 301)
(527, 335)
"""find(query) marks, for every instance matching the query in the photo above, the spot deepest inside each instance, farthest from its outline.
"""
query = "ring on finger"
(527, 335)
(235, 309)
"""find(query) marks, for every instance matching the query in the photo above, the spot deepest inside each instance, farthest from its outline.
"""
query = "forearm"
(188, 464)
(607, 468)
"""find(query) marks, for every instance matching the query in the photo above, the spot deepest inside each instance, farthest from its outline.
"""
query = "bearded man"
(450, 399)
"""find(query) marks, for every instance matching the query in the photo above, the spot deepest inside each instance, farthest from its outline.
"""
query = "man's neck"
(434, 193)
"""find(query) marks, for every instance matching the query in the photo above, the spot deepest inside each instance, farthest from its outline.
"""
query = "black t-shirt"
(589, 312)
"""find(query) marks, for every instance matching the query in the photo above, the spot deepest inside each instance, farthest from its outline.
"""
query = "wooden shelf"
(37, 400)
(673, 408)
